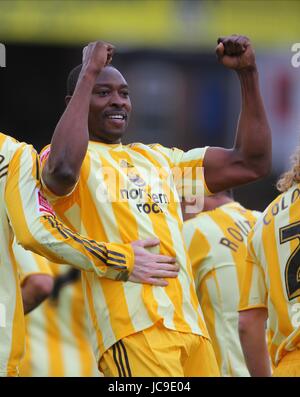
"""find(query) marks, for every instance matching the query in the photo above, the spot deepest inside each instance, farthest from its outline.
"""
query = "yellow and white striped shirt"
(25, 213)
(216, 242)
(57, 340)
(143, 203)
(272, 271)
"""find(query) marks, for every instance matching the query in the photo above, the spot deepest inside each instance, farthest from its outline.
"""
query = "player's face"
(110, 107)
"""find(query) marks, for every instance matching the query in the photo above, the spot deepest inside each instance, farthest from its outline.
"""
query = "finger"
(229, 47)
(110, 53)
(84, 51)
(150, 280)
(168, 267)
(243, 42)
(164, 259)
(157, 281)
(156, 267)
(238, 46)
(164, 274)
(111, 47)
(148, 242)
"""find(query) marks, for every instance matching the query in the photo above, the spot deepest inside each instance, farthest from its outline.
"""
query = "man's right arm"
(70, 139)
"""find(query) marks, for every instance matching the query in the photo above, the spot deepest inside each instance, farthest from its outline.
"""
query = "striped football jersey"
(272, 272)
(216, 242)
(127, 193)
(26, 214)
(57, 339)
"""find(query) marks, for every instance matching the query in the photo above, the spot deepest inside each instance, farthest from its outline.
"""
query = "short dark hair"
(73, 78)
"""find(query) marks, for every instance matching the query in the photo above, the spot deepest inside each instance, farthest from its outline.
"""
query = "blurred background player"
(271, 287)
(142, 323)
(216, 242)
(57, 340)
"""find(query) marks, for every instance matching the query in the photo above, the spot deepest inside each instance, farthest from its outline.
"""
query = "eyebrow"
(99, 85)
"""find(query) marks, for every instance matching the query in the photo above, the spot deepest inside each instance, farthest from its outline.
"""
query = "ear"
(67, 99)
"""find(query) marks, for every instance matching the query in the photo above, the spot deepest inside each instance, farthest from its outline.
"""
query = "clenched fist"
(96, 55)
(235, 52)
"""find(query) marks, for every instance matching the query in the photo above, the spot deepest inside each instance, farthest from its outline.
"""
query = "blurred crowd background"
(165, 49)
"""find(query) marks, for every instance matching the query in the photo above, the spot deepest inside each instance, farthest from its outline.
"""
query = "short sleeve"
(187, 168)
(254, 292)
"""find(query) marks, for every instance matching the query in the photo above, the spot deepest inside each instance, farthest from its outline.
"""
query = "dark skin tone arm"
(35, 289)
(250, 158)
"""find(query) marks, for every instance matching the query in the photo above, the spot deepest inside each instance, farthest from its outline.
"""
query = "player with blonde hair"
(271, 287)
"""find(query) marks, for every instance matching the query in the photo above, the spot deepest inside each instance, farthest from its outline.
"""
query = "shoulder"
(9, 145)
(201, 222)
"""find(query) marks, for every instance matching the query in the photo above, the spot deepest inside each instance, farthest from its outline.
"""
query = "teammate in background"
(25, 214)
(98, 185)
(216, 242)
(57, 340)
(271, 287)
(38, 283)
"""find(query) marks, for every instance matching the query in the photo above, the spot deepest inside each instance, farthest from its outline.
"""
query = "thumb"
(220, 50)
(84, 52)
(148, 242)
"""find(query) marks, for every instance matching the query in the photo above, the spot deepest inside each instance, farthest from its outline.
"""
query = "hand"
(152, 268)
(97, 55)
(235, 52)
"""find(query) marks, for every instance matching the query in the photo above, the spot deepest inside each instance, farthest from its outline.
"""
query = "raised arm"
(250, 157)
(70, 139)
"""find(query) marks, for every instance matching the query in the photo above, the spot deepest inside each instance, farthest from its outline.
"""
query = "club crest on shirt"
(132, 174)
(125, 164)
(136, 179)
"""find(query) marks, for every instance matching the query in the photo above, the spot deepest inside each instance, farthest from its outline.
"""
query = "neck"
(101, 139)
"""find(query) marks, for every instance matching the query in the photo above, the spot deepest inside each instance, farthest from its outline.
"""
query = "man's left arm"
(250, 157)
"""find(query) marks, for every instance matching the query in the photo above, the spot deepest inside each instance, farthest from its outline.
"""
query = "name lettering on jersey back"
(238, 234)
(282, 205)
(3, 168)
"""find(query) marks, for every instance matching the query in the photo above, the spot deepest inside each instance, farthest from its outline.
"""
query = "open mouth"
(116, 116)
